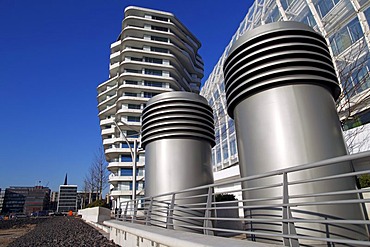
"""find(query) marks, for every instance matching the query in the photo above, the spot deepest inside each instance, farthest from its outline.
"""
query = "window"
(225, 151)
(211, 102)
(346, 36)
(213, 158)
(286, 3)
(136, 59)
(324, 6)
(158, 49)
(130, 94)
(160, 39)
(367, 15)
(356, 75)
(153, 72)
(133, 119)
(124, 185)
(133, 71)
(140, 185)
(125, 145)
(131, 82)
(153, 83)
(223, 131)
(309, 19)
(132, 134)
(231, 126)
(133, 106)
(159, 18)
(222, 86)
(153, 60)
(232, 145)
(149, 94)
(216, 94)
(217, 135)
(126, 172)
(140, 172)
(163, 29)
(218, 154)
(126, 158)
(274, 16)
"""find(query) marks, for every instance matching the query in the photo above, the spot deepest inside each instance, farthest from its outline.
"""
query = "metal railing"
(285, 214)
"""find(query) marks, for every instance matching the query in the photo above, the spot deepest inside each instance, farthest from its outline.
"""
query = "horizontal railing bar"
(349, 174)
(271, 186)
(352, 201)
(344, 192)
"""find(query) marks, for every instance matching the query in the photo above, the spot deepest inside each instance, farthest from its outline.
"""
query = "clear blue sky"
(53, 54)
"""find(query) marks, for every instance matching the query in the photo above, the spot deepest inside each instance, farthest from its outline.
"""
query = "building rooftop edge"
(147, 9)
(132, 7)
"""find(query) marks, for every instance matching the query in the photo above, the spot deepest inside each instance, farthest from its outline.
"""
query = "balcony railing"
(207, 216)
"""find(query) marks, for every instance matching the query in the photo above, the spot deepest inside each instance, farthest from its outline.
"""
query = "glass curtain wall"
(343, 23)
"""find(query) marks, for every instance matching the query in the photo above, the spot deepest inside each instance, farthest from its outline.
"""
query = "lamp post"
(133, 156)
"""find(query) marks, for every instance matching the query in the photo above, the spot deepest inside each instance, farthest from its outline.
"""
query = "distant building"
(26, 199)
(37, 199)
(67, 199)
(54, 200)
(2, 195)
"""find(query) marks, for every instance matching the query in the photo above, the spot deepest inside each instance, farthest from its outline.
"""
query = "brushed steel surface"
(280, 89)
(178, 135)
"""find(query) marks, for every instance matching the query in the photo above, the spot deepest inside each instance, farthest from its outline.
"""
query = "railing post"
(133, 218)
(149, 213)
(208, 213)
(125, 212)
(327, 231)
(288, 227)
(169, 220)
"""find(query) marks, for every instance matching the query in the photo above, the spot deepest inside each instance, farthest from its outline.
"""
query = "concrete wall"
(129, 234)
(95, 215)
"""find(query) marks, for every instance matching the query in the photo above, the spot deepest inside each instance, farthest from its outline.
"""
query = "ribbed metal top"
(275, 54)
(177, 115)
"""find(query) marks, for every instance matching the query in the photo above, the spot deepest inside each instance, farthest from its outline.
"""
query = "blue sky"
(53, 54)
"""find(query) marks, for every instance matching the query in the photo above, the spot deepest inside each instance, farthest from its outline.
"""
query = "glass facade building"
(26, 199)
(67, 198)
(345, 26)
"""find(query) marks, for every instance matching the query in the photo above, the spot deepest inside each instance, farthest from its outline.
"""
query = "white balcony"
(106, 121)
(114, 166)
(109, 110)
(113, 69)
(116, 193)
(117, 150)
(114, 57)
(133, 111)
(107, 131)
(115, 46)
(116, 179)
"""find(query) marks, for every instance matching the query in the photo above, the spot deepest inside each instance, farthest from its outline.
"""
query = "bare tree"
(355, 96)
(100, 171)
(96, 180)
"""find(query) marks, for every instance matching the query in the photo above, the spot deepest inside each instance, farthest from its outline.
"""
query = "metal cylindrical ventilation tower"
(178, 135)
(281, 88)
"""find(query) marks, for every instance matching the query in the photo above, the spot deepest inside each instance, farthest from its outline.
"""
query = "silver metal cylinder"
(178, 135)
(280, 89)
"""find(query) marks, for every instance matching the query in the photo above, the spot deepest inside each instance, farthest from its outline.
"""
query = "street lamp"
(133, 156)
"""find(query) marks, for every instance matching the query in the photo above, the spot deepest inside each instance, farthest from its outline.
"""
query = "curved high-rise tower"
(154, 53)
